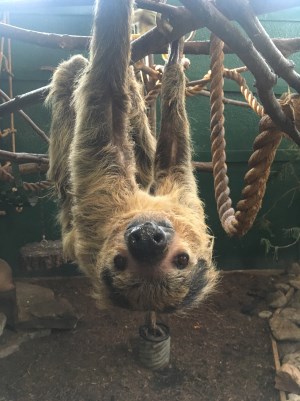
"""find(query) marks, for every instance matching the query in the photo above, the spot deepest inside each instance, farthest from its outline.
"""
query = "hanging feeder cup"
(154, 346)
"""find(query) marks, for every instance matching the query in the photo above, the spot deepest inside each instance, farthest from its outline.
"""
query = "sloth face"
(156, 264)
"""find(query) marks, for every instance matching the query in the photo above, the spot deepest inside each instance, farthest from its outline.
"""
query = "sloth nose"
(147, 241)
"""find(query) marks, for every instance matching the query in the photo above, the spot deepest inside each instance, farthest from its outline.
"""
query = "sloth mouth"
(164, 293)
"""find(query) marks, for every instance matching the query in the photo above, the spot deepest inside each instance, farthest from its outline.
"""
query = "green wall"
(17, 229)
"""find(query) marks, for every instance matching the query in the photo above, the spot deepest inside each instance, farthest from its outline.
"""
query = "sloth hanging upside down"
(130, 214)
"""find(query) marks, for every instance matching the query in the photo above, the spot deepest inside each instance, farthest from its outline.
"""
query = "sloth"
(129, 209)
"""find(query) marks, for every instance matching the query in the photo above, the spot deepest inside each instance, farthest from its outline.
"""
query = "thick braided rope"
(259, 165)
(265, 146)
(248, 95)
(224, 203)
(36, 186)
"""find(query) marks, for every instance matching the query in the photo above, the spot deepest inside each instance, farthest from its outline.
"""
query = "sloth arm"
(101, 160)
(102, 155)
(142, 136)
(101, 145)
(173, 161)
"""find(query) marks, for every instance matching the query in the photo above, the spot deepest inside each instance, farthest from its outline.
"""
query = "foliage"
(292, 234)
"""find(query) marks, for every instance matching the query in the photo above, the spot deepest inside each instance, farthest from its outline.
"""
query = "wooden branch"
(226, 100)
(23, 157)
(36, 128)
(204, 167)
(40, 163)
(72, 42)
(165, 9)
(51, 40)
(40, 94)
(20, 101)
(204, 10)
(184, 22)
(286, 46)
(19, 5)
(260, 7)
(243, 13)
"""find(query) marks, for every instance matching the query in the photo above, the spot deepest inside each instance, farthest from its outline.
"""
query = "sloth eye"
(181, 261)
(120, 262)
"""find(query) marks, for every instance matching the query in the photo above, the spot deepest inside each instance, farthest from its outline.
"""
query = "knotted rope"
(265, 145)
(195, 90)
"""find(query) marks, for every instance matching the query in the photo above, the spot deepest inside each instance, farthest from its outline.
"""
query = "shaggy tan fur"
(99, 120)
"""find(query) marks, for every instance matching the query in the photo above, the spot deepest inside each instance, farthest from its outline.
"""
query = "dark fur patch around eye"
(199, 281)
(120, 262)
(116, 298)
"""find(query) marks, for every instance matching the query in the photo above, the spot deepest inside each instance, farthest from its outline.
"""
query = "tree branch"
(23, 157)
(20, 101)
(51, 40)
(72, 42)
(260, 7)
(39, 163)
(35, 127)
(185, 22)
(226, 100)
(19, 5)
(204, 167)
(243, 13)
(287, 46)
(165, 9)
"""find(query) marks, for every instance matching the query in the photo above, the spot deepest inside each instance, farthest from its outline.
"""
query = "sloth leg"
(143, 139)
(173, 162)
(62, 130)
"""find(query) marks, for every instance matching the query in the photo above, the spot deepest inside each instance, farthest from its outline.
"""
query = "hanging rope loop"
(265, 145)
